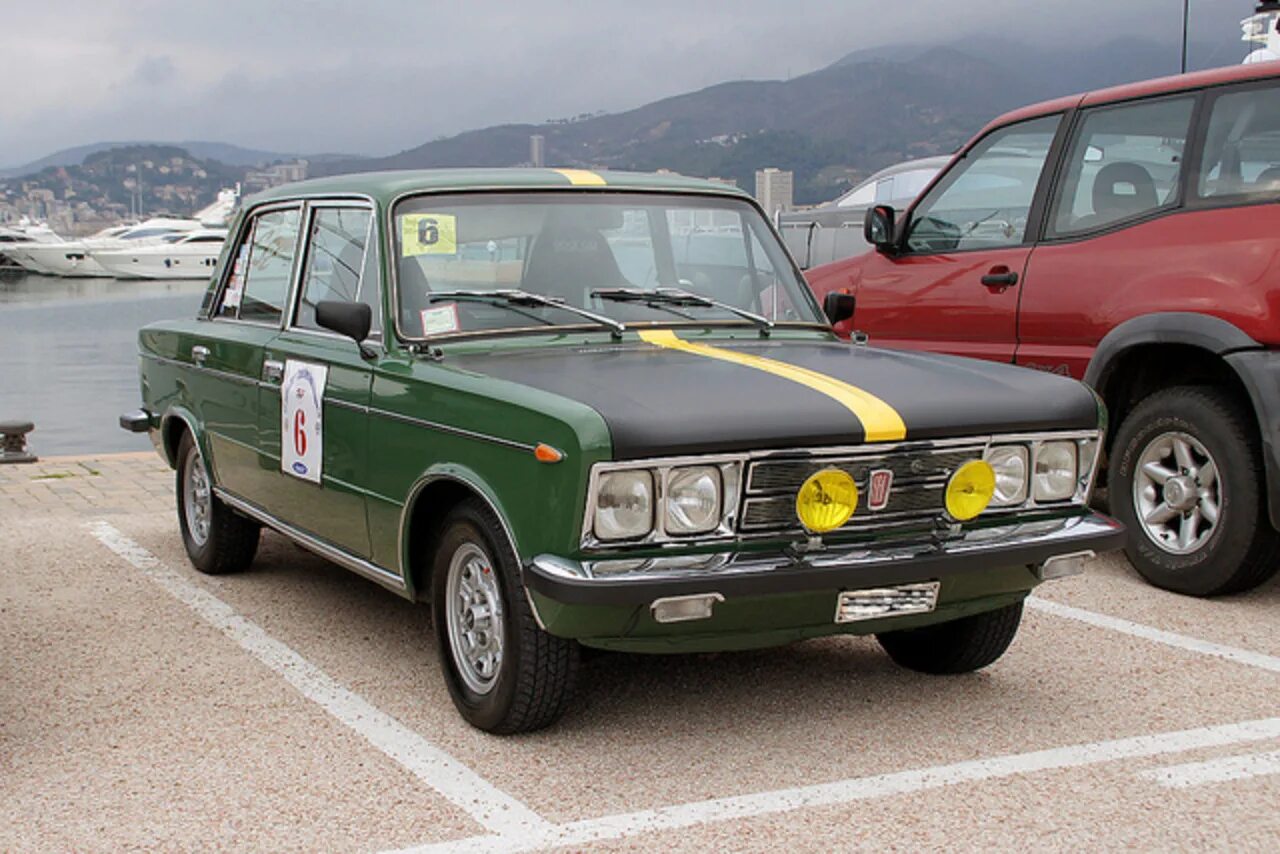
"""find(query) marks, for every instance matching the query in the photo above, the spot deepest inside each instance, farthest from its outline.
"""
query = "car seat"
(1268, 181)
(569, 262)
(1120, 190)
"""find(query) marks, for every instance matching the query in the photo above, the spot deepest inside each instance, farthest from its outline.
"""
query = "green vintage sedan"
(570, 408)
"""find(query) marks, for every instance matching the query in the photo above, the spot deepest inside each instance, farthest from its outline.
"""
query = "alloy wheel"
(1177, 493)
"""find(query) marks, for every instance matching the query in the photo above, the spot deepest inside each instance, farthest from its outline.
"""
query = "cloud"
(379, 77)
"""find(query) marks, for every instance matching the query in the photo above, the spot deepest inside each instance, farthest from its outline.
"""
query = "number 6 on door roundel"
(302, 428)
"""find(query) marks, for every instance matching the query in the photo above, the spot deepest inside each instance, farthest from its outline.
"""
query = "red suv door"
(1108, 253)
(953, 287)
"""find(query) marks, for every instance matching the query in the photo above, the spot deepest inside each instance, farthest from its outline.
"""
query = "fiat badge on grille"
(879, 483)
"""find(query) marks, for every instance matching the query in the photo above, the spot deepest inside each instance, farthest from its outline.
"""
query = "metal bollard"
(13, 442)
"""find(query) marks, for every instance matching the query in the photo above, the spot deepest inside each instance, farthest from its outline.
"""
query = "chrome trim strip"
(226, 375)
(455, 431)
(346, 404)
(330, 552)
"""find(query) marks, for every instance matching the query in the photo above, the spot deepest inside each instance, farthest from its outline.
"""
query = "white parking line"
(1138, 630)
(494, 810)
(1215, 770)
(865, 788)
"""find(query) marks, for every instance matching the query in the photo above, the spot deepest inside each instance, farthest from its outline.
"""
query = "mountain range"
(866, 110)
(862, 112)
(223, 152)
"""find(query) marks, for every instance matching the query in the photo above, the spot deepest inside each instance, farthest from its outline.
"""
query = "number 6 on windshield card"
(301, 408)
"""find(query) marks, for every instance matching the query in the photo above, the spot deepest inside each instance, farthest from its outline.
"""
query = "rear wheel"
(1187, 480)
(957, 646)
(504, 673)
(218, 540)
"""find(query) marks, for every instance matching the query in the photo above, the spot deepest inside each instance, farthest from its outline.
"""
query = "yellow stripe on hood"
(581, 177)
(880, 421)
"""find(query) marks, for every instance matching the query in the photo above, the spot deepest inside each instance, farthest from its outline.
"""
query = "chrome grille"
(920, 476)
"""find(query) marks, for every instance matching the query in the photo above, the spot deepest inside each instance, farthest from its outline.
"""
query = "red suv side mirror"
(877, 228)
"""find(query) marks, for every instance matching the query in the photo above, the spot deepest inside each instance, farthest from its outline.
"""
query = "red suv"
(1131, 238)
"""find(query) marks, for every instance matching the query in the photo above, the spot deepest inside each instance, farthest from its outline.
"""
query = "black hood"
(659, 401)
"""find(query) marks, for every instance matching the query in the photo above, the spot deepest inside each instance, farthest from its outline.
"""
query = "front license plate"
(877, 602)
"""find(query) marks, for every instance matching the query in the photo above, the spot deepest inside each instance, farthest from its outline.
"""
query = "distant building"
(275, 175)
(774, 189)
(537, 150)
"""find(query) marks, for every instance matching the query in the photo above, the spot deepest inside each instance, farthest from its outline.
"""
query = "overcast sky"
(379, 76)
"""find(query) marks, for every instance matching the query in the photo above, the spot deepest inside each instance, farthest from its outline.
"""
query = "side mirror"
(352, 319)
(877, 228)
(837, 306)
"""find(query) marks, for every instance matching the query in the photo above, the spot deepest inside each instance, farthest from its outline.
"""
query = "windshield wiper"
(679, 296)
(514, 296)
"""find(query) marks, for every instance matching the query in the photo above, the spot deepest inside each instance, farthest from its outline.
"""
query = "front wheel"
(1187, 480)
(957, 646)
(504, 673)
(218, 540)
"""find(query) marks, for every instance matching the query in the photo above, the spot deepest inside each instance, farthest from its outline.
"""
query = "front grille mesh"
(919, 484)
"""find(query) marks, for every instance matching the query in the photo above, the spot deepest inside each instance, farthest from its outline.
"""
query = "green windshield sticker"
(428, 234)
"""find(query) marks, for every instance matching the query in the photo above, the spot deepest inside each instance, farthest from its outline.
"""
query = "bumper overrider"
(745, 599)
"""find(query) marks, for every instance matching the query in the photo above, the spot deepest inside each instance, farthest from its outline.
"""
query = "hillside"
(865, 111)
(160, 177)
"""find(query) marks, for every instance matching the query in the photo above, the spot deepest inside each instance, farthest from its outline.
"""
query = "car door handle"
(199, 353)
(272, 371)
(997, 279)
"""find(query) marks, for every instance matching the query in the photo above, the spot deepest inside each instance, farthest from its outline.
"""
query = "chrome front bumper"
(1051, 548)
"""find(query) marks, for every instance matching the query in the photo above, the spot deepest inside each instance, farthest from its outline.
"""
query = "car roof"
(384, 187)
(1141, 89)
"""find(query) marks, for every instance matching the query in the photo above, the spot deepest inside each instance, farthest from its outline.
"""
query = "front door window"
(985, 200)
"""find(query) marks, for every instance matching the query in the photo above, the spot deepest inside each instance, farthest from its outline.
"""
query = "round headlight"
(1055, 476)
(693, 500)
(1010, 466)
(970, 490)
(826, 500)
(624, 505)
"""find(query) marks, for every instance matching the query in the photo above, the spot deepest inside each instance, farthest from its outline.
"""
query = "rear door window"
(1241, 159)
(1125, 163)
(261, 269)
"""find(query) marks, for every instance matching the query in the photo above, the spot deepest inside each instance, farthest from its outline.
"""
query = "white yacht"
(75, 258)
(14, 236)
(191, 255)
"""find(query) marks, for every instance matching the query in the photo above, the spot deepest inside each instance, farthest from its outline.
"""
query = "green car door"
(313, 417)
(246, 316)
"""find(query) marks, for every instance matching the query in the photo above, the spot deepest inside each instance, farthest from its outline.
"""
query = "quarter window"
(335, 258)
(1124, 163)
(1242, 147)
(985, 200)
(261, 268)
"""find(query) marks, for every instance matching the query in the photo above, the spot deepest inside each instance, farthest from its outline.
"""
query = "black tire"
(958, 646)
(534, 681)
(231, 540)
(1242, 549)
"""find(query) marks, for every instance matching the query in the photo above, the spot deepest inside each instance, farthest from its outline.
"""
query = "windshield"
(452, 251)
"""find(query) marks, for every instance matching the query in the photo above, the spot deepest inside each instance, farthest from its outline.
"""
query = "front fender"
(1203, 331)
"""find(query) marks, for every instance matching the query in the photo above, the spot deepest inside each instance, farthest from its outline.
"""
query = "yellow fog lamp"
(970, 490)
(826, 500)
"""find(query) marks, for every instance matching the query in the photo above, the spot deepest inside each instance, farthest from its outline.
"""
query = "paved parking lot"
(300, 707)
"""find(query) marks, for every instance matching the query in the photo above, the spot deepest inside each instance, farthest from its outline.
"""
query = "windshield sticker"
(301, 408)
(428, 234)
(442, 318)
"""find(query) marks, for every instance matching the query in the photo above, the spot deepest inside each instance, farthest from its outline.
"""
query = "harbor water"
(68, 355)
